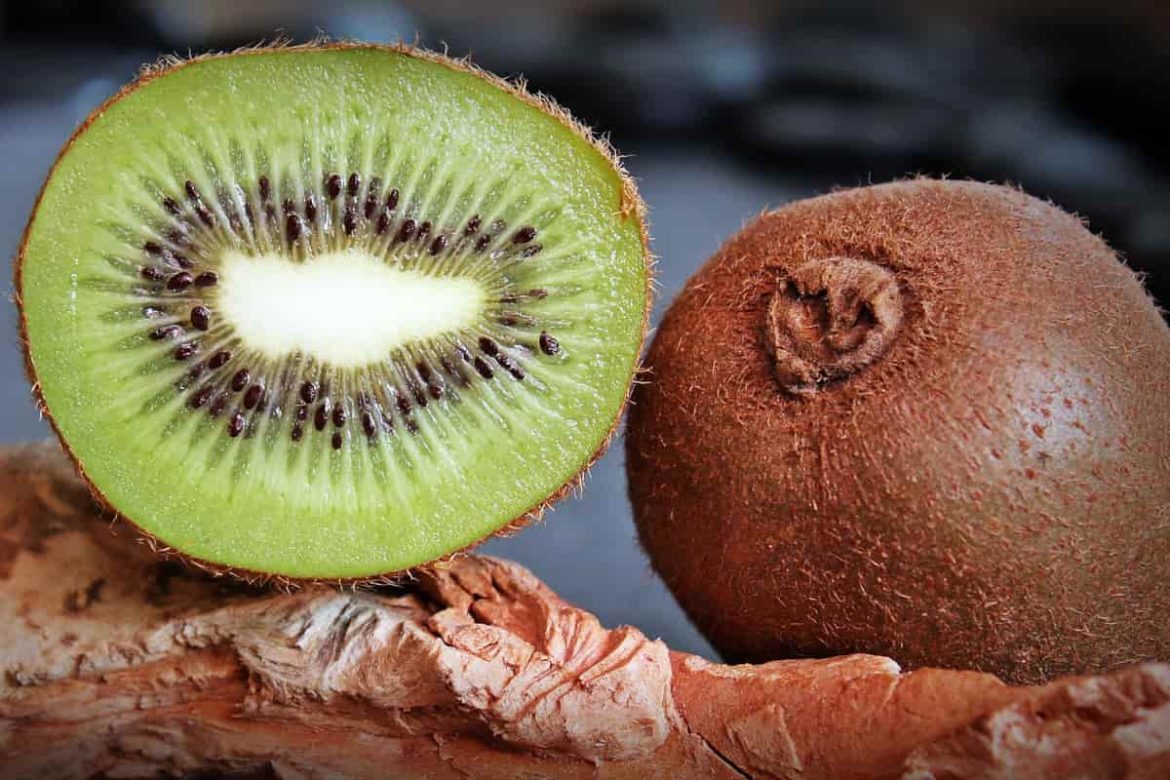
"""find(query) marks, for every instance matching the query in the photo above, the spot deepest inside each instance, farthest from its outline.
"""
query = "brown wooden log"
(117, 663)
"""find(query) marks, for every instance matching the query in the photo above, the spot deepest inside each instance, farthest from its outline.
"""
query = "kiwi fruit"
(330, 312)
(926, 419)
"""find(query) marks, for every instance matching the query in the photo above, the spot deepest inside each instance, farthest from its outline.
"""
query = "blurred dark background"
(723, 110)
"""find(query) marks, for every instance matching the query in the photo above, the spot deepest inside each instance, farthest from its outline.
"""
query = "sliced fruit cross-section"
(331, 312)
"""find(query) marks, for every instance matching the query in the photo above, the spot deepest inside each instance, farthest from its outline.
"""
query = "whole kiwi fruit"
(927, 419)
(329, 312)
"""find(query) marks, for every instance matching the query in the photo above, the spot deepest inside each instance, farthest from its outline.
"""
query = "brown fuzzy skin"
(630, 206)
(990, 490)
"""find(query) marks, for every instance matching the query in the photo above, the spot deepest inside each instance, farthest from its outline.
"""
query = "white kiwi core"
(345, 308)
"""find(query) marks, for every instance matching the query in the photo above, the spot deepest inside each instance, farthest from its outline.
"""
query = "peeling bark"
(119, 664)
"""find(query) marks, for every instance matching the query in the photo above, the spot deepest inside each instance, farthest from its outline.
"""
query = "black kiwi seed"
(513, 318)
(416, 391)
(252, 397)
(309, 392)
(438, 245)
(482, 242)
(511, 366)
(166, 332)
(178, 259)
(403, 404)
(354, 184)
(531, 251)
(434, 384)
(454, 372)
(218, 405)
(339, 416)
(236, 425)
(524, 235)
(337, 440)
(548, 344)
(349, 220)
(297, 433)
(201, 397)
(240, 379)
(333, 186)
(152, 273)
(180, 281)
(368, 425)
(310, 207)
(171, 205)
(185, 351)
(302, 413)
(153, 247)
(488, 347)
(372, 197)
(293, 228)
(265, 189)
(204, 215)
(406, 231)
(219, 359)
(482, 368)
(392, 200)
(472, 225)
(424, 230)
(383, 222)
(201, 317)
(207, 279)
(192, 190)
(321, 418)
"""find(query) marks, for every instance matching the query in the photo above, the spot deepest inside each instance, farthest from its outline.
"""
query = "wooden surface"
(117, 662)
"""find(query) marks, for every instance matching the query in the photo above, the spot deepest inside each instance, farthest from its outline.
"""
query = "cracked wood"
(116, 661)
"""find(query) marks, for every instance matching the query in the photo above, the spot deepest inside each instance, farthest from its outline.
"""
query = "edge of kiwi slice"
(630, 207)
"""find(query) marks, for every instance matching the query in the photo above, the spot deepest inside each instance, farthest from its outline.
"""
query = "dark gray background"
(723, 110)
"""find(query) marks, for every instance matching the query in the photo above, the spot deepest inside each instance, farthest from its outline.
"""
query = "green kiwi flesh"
(331, 312)
(926, 420)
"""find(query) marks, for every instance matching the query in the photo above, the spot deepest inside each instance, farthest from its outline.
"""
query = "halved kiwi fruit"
(333, 311)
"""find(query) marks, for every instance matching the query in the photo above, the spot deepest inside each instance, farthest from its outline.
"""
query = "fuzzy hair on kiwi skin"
(631, 206)
(992, 492)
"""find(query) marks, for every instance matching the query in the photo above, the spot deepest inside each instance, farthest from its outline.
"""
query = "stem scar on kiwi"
(830, 318)
(925, 420)
(332, 311)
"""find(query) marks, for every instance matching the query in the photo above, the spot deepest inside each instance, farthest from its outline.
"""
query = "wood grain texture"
(118, 664)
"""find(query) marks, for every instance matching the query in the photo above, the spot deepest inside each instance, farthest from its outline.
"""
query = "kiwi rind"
(631, 207)
(817, 523)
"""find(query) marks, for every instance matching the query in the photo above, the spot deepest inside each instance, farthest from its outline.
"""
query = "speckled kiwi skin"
(992, 493)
